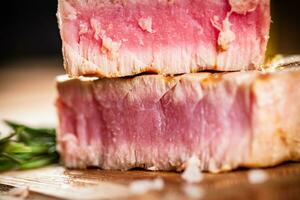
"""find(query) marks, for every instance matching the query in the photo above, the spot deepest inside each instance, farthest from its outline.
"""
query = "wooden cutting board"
(27, 92)
(56, 182)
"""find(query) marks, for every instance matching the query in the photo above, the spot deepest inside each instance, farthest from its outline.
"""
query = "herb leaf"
(27, 147)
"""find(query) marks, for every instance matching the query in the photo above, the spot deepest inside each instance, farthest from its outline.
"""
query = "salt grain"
(193, 191)
(192, 172)
(257, 176)
(143, 186)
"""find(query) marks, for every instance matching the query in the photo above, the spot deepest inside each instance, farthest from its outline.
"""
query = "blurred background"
(30, 41)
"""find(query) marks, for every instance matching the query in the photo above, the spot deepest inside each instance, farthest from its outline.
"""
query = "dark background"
(29, 29)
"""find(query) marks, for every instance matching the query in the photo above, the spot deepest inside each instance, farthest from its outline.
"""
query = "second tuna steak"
(226, 120)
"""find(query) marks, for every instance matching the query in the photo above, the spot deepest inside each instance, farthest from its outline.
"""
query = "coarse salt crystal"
(192, 172)
(193, 191)
(143, 186)
(257, 176)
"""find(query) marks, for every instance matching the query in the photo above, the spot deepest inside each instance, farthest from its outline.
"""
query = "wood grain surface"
(27, 94)
(55, 182)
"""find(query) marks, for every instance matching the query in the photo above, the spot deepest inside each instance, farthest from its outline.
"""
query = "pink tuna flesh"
(121, 38)
(155, 122)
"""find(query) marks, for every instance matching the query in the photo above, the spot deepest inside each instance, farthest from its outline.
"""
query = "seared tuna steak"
(154, 122)
(128, 37)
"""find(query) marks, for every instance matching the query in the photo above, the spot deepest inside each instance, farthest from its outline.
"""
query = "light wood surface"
(27, 94)
(55, 182)
(27, 90)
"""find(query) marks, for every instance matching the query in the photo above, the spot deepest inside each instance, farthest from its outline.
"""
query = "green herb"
(27, 147)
